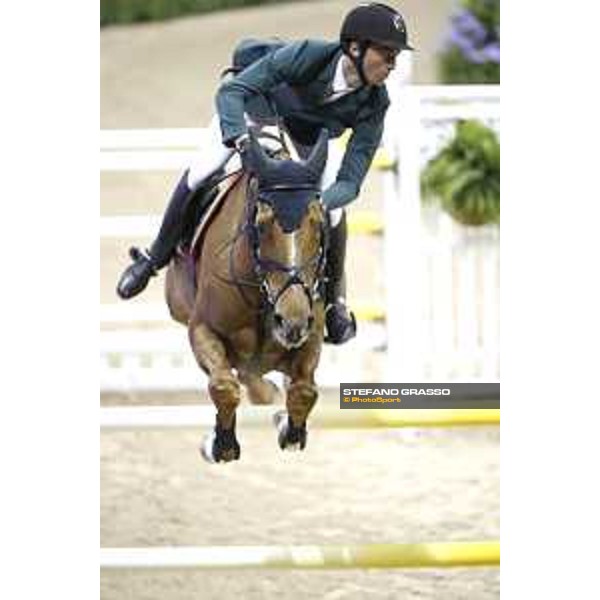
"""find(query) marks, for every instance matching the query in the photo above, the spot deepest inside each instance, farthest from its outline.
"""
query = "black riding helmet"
(373, 23)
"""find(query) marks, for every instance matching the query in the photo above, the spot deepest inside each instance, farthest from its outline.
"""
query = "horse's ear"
(315, 213)
(318, 157)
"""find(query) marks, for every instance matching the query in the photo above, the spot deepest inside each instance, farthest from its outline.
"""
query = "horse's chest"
(248, 351)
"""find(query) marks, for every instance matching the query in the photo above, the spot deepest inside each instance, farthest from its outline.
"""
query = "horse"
(255, 301)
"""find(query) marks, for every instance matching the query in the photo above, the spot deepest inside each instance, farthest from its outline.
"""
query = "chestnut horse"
(256, 304)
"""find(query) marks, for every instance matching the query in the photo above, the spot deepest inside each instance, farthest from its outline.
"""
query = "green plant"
(464, 177)
(133, 11)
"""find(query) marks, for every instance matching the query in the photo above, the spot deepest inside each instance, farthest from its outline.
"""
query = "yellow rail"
(365, 556)
(364, 222)
(196, 417)
(374, 418)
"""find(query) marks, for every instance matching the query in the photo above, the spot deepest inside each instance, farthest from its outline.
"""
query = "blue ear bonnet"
(288, 187)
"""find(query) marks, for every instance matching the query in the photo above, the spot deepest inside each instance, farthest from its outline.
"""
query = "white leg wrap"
(206, 448)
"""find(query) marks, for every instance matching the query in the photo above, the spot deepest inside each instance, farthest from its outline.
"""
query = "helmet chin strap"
(358, 61)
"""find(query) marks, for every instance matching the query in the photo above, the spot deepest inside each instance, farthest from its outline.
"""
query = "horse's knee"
(225, 388)
(304, 391)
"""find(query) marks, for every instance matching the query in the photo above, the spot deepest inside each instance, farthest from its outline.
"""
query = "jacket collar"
(326, 77)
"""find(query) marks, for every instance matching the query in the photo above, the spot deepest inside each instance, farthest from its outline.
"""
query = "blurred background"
(423, 275)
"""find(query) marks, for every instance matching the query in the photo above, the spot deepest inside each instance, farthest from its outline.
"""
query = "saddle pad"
(213, 209)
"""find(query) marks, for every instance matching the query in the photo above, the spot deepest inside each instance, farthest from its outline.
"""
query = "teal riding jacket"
(297, 79)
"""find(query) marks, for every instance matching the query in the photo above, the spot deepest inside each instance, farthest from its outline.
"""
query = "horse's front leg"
(224, 390)
(291, 425)
(302, 394)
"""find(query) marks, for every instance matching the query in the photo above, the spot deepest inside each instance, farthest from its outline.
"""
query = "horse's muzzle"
(291, 333)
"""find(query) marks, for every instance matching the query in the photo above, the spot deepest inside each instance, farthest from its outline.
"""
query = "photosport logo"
(419, 395)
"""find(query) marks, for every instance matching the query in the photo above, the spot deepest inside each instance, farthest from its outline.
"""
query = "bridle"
(262, 266)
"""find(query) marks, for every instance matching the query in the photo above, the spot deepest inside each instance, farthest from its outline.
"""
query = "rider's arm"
(361, 148)
(288, 64)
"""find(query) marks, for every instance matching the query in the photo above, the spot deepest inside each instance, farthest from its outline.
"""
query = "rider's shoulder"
(313, 47)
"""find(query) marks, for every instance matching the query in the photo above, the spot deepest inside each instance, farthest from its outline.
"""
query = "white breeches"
(214, 156)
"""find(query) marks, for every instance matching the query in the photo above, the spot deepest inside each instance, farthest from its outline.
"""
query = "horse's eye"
(263, 227)
(264, 215)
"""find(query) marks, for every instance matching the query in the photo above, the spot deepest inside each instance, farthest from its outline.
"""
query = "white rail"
(161, 360)
(141, 226)
(442, 280)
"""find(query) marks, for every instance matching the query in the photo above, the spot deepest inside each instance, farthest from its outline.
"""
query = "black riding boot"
(340, 322)
(147, 263)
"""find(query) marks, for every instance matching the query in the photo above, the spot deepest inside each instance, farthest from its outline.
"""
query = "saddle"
(189, 249)
(206, 209)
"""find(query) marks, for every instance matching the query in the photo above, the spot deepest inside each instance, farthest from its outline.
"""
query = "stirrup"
(136, 276)
(136, 255)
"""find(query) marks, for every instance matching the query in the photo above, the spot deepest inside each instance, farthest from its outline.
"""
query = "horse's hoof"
(229, 455)
(289, 437)
(215, 450)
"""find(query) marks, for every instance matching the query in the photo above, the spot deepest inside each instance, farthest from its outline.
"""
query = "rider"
(313, 85)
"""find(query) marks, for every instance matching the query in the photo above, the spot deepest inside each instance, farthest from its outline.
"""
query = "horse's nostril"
(278, 319)
(296, 333)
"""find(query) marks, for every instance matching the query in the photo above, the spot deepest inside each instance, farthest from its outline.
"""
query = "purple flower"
(492, 52)
(468, 24)
(469, 36)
